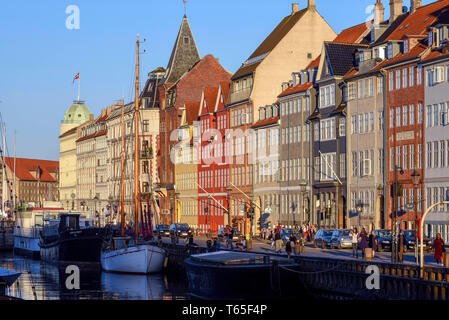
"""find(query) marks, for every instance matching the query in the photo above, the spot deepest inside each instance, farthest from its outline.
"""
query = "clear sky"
(39, 56)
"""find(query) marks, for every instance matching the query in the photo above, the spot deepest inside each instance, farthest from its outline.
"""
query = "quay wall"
(346, 279)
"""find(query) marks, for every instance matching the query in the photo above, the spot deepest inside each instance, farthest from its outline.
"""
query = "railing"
(27, 232)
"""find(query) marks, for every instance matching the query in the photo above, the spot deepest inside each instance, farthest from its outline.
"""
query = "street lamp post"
(228, 191)
(394, 250)
(415, 180)
(303, 185)
(73, 200)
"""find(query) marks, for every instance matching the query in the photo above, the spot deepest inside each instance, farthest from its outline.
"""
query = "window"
(360, 89)
(342, 127)
(435, 115)
(419, 156)
(391, 81)
(405, 115)
(390, 51)
(412, 114)
(429, 154)
(443, 153)
(412, 157)
(398, 79)
(420, 113)
(392, 118)
(405, 158)
(371, 87)
(398, 116)
(354, 124)
(436, 156)
(405, 77)
(380, 119)
(380, 84)
(419, 75)
(371, 121)
(412, 76)
(327, 96)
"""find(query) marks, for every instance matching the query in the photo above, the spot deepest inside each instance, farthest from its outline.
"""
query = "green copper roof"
(77, 113)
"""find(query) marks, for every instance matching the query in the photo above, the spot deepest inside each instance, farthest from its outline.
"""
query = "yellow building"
(76, 115)
(186, 167)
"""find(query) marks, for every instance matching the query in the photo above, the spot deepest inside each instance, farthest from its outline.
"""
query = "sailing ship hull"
(141, 259)
(80, 245)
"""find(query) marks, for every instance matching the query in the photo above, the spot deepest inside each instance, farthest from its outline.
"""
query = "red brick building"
(186, 76)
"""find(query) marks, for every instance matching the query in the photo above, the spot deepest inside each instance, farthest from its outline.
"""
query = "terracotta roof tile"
(265, 122)
(26, 166)
(415, 52)
(210, 97)
(296, 89)
(352, 34)
(192, 111)
(282, 29)
(418, 22)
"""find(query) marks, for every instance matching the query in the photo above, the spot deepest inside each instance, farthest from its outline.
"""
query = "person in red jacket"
(438, 245)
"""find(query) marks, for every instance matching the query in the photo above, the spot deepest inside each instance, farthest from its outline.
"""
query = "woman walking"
(373, 242)
(277, 241)
(355, 243)
(438, 245)
(363, 241)
(288, 247)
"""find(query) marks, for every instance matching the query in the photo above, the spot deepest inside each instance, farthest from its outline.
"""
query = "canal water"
(44, 281)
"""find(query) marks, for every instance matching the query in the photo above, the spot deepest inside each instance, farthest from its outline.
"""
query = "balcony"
(238, 96)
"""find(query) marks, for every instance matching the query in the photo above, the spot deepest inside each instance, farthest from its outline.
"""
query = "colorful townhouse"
(186, 76)
(186, 166)
(257, 84)
(436, 139)
(213, 171)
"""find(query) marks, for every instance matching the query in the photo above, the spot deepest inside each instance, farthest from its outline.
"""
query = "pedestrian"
(293, 244)
(288, 246)
(438, 246)
(231, 237)
(355, 243)
(401, 246)
(216, 244)
(277, 241)
(363, 237)
(373, 242)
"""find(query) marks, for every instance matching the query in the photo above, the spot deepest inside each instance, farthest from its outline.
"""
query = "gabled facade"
(186, 76)
(329, 135)
(186, 166)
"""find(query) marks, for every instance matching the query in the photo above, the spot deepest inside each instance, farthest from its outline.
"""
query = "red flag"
(76, 77)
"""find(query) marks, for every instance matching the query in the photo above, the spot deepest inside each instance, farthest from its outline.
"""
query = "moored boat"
(64, 239)
(126, 257)
(7, 279)
(238, 275)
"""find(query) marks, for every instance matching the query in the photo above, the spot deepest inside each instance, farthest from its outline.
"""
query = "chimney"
(311, 4)
(395, 9)
(295, 8)
(415, 4)
(378, 13)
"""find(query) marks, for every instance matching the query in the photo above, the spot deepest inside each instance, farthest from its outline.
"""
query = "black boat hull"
(80, 245)
(239, 282)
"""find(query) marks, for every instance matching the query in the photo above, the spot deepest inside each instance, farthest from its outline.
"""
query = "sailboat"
(124, 254)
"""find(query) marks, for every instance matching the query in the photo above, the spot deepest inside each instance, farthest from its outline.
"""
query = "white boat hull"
(141, 259)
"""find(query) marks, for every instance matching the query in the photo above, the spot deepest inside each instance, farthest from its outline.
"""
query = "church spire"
(184, 55)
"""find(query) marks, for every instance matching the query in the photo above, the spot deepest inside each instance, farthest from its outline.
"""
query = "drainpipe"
(385, 146)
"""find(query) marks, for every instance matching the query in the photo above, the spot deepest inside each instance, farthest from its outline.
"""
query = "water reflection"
(43, 281)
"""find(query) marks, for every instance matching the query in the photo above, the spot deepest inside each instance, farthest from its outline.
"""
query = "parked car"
(383, 240)
(285, 234)
(162, 229)
(181, 230)
(235, 237)
(410, 240)
(341, 239)
(322, 238)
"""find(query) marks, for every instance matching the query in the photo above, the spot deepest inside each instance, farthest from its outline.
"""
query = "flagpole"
(79, 85)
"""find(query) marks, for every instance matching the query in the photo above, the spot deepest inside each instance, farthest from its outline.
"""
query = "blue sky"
(39, 56)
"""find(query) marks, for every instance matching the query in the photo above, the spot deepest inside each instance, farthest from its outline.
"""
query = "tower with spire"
(184, 54)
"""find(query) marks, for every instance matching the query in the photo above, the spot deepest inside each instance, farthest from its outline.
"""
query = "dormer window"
(430, 40)
(406, 46)
(390, 51)
(361, 56)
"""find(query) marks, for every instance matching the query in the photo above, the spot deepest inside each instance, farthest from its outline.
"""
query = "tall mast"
(122, 176)
(136, 148)
(4, 188)
(14, 184)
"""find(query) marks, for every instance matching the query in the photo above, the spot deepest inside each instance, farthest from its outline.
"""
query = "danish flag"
(76, 77)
